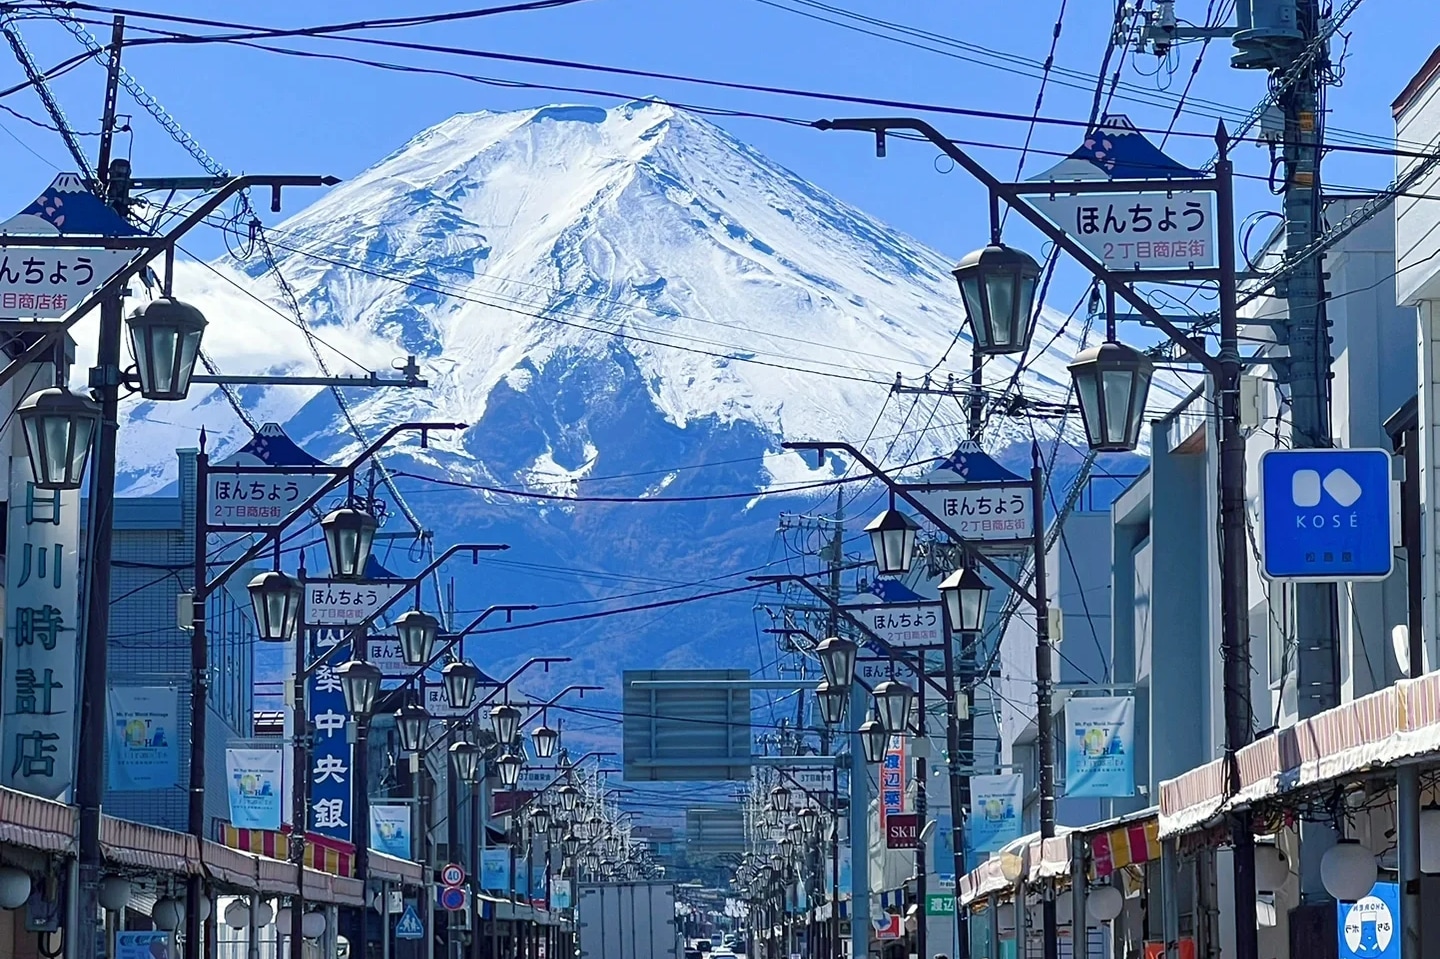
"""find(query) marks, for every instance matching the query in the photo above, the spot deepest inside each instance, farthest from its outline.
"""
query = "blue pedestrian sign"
(410, 926)
(1326, 515)
(1370, 928)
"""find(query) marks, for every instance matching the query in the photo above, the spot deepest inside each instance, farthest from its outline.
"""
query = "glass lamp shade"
(837, 659)
(571, 844)
(780, 799)
(545, 740)
(558, 831)
(359, 681)
(892, 539)
(997, 284)
(569, 797)
(540, 819)
(893, 702)
(832, 701)
(466, 757)
(873, 740)
(505, 723)
(411, 721)
(965, 594)
(59, 427)
(809, 820)
(165, 338)
(787, 847)
(1112, 382)
(416, 631)
(509, 766)
(772, 816)
(594, 827)
(1348, 871)
(349, 537)
(460, 679)
(276, 598)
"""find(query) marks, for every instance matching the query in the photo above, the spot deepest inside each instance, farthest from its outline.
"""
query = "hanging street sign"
(814, 780)
(437, 704)
(902, 625)
(409, 926)
(873, 671)
(976, 498)
(1138, 231)
(384, 651)
(939, 904)
(341, 603)
(1326, 515)
(257, 497)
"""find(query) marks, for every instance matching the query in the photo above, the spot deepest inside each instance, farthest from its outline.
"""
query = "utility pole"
(105, 382)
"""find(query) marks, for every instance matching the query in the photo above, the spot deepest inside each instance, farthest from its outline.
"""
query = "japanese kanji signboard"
(258, 498)
(47, 282)
(903, 625)
(42, 540)
(1138, 231)
(330, 752)
(986, 513)
(339, 603)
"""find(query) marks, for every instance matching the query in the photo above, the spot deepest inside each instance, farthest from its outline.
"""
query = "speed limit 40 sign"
(452, 874)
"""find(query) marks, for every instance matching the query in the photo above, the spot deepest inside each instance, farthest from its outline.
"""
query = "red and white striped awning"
(1386, 727)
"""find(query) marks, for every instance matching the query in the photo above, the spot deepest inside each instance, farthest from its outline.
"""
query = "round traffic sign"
(452, 875)
(452, 898)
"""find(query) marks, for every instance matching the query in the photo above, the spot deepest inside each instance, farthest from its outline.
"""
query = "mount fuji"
(623, 302)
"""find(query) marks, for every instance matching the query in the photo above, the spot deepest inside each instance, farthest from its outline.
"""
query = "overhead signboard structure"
(1326, 515)
(330, 602)
(898, 615)
(695, 730)
(981, 501)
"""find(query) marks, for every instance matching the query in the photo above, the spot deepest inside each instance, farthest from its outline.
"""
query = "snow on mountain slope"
(639, 242)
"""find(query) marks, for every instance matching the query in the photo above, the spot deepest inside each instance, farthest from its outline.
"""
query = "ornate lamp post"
(165, 338)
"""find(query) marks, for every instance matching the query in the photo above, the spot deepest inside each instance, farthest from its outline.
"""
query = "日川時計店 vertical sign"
(42, 597)
(1138, 231)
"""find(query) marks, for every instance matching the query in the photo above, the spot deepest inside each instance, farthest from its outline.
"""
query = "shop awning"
(1037, 860)
(1386, 727)
(385, 868)
(37, 823)
(149, 847)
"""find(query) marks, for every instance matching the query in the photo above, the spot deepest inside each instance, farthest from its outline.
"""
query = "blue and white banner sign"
(142, 751)
(996, 805)
(254, 779)
(1100, 746)
(390, 830)
(331, 752)
(1370, 928)
(495, 869)
(150, 944)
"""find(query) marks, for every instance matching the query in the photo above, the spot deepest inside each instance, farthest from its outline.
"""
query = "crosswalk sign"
(409, 926)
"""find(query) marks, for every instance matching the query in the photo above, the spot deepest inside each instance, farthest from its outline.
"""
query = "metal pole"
(199, 685)
(1234, 555)
(360, 827)
(959, 783)
(834, 951)
(300, 787)
(859, 834)
(1407, 788)
(922, 868)
(1044, 684)
(384, 921)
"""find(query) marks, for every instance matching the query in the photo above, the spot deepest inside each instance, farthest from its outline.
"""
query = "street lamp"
(58, 427)
(779, 799)
(557, 831)
(359, 681)
(571, 844)
(892, 540)
(569, 796)
(505, 721)
(460, 679)
(832, 700)
(466, 757)
(837, 659)
(772, 816)
(275, 597)
(349, 537)
(416, 631)
(998, 287)
(809, 820)
(965, 594)
(1112, 382)
(545, 740)
(165, 338)
(540, 819)
(892, 704)
(509, 765)
(410, 722)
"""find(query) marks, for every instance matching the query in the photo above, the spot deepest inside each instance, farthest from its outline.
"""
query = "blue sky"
(259, 111)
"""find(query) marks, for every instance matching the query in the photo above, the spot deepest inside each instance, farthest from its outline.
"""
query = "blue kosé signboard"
(1326, 515)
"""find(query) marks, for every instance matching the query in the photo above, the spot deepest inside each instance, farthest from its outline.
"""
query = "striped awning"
(321, 853)
(1394, 724)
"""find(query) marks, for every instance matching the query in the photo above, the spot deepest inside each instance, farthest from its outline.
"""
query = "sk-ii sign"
(1326, 515)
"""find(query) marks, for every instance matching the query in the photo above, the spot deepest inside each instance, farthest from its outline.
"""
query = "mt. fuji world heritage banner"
(1100, 746)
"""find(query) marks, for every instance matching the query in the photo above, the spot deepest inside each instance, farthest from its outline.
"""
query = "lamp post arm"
(554, 782)
(881, 125)
(151, 247)
(504, 684)
(329, 486)
(452, 640)
(541, 707)
(899, 490)
(357, 632)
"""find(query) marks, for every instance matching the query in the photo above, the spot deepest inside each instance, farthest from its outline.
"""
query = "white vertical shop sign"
(41, 656)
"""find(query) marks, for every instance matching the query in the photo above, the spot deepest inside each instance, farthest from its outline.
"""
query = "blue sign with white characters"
(330, 751)
(1326, 515)
(1370, 928)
